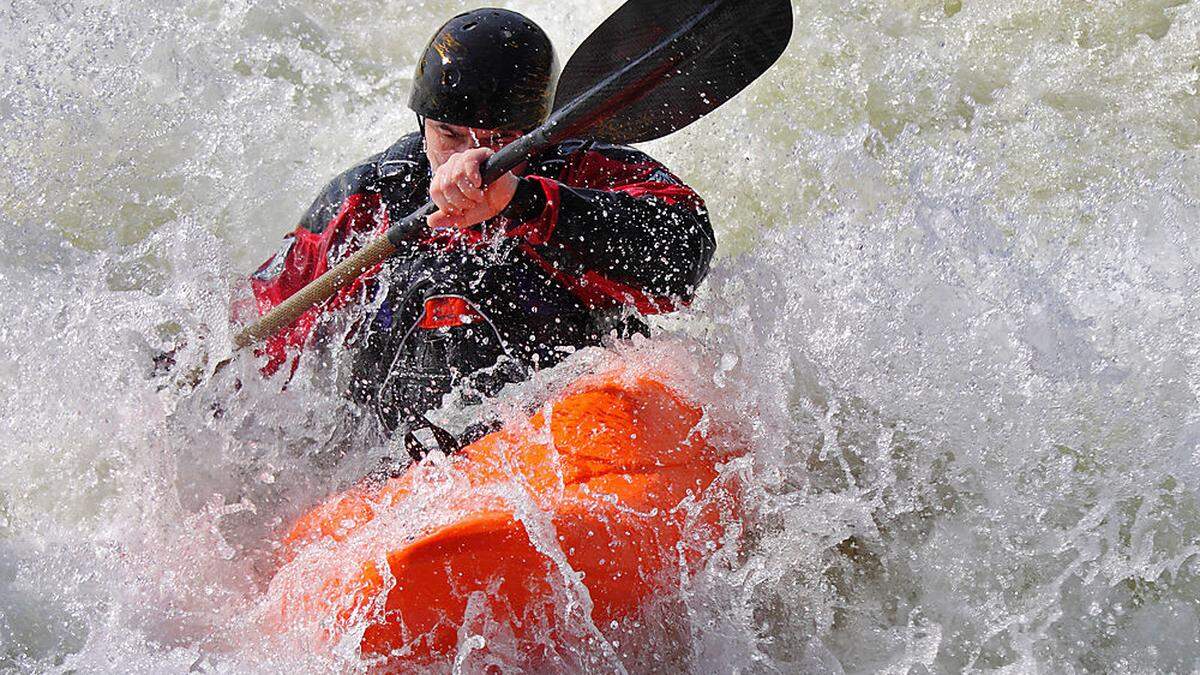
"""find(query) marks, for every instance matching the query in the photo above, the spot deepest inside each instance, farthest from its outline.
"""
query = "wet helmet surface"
(489, 69)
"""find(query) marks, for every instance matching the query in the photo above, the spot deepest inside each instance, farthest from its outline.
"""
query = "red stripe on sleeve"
(537, 231)
(599, 292)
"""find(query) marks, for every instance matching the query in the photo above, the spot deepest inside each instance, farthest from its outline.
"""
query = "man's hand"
(456, 191)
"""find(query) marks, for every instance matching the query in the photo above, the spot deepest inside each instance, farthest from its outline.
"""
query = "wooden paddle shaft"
(320, 290)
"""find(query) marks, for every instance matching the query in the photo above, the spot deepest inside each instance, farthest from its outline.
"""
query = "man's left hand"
(456, 190)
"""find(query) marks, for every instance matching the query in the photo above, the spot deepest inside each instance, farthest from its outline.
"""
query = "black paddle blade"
(656, 66)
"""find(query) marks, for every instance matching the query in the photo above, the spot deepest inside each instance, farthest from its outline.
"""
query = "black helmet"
(489, 69)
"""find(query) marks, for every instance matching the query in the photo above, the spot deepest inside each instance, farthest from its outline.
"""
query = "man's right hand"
(456, 191)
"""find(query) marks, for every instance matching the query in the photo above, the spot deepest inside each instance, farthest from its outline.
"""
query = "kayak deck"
(580, 515)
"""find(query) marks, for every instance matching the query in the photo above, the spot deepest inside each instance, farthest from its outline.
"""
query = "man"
(565, 250)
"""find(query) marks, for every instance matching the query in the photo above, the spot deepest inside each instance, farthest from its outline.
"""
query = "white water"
(955, 300)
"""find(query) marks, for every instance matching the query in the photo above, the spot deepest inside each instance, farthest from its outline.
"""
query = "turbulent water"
(954, 304)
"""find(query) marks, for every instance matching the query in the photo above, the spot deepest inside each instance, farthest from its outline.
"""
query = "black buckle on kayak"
(389, 467)
(445, 440)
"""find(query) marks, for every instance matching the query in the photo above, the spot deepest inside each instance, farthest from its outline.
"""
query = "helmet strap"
(421, 126)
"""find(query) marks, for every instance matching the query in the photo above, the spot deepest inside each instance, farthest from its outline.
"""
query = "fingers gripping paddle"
(650, 69)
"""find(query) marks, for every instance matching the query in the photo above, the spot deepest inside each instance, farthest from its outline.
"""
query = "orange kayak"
(561, 527)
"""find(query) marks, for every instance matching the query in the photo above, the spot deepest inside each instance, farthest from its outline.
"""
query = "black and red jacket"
(595, 231)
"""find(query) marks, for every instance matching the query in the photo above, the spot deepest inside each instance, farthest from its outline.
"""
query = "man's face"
(444, 140)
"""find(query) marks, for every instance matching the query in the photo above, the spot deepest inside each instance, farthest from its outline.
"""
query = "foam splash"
(955, 308)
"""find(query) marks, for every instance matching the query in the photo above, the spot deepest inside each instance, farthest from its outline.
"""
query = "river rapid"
(953, 310)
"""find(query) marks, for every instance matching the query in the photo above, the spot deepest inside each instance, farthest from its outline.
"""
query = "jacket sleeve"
(347, 207)
(344, 208)
(619, 228)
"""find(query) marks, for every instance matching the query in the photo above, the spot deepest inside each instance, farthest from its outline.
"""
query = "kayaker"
(567, 250)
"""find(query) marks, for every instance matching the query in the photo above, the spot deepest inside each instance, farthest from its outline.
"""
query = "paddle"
(651, 68)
